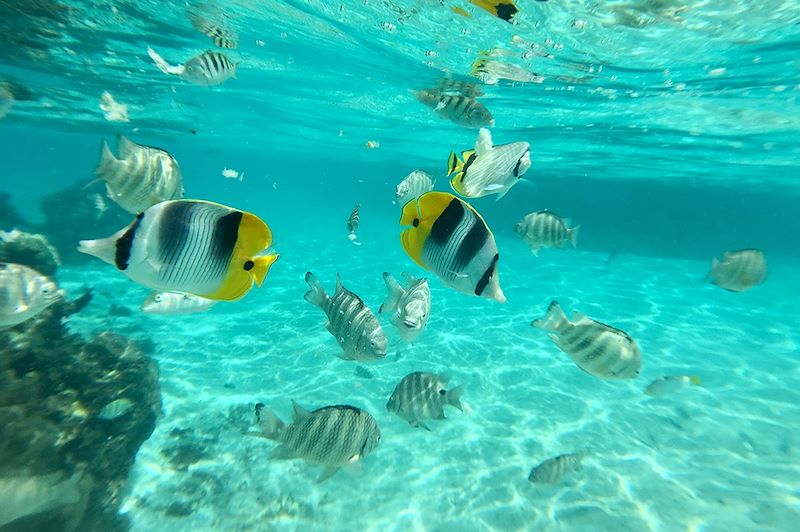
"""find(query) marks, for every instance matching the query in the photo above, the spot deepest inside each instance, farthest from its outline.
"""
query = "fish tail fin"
(572, 235)
(454, 397)
(695, 380)
(554, 320)
(261, 268)
(394, 294)
(316, 295)
(107, 164)
(104, 249)
(270, 425)
(453, 163)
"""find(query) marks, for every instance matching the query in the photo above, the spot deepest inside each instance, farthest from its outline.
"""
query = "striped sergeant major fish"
(24, 293)
(544, 229)
(738, 270)
(552, 470)
(463, 110)
(409, 304)
(352, 223)
(596, 348)
(333, 436)
(350, 321)
(206, 69)
(449, 238)
(419, 396)
(488, 169)
(191, 246)
(222, 36)
(139, 176)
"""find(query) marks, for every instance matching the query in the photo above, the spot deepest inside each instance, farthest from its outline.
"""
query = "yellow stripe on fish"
(449, 238)
(191, 246)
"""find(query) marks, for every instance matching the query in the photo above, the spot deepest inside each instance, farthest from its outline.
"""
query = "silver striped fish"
(449, 238)
(191, 246)
(419, 396)
(410, 305)
(413, 186)
(352, 223)
(544, 229)
(463, 110)
(175, 303)
(24, 293)
(209, 68)
(350, 321)
(222, 36)
(598, 349)
(332, 436)
(552, 470)
(140, 176)
(738, 270)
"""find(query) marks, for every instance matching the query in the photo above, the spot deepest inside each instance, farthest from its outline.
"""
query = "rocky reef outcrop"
(29, 249)
(57, 433)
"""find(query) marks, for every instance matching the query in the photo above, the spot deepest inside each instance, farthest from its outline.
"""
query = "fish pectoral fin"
(327, 473)
(282, 452)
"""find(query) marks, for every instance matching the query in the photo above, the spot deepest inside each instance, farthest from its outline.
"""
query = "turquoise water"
(668, 130)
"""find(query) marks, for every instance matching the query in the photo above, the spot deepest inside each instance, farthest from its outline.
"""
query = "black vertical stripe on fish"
(174, 230)
(473, 242)
(124, 244)
(226, 233)
(487, 275)
(516, 166)
(444, 256)
(447, 222)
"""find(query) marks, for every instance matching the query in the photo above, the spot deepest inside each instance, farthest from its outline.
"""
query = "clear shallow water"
(637, 133)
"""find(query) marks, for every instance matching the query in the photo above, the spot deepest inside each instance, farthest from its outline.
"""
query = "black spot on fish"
(516, 167)
(124, 244)
(506, 11)
(447, 222)
(248, 265)
(484, 280)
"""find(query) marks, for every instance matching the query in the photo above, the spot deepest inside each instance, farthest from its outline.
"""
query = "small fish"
(488, 169)
(206, 69)
(25, 495)
(419, 396)
(230, 173)
(598, 349)
(364, 373)
(413, 186)
(372, 144)
(462, 110)
(352, 223)
(24, 293)
(553, 469)
(115, 409)
(175, 303)
(114, 111)
(544, 229)
(192, 246)
(332, 436)
(671, 384)
(503, 9)
(449, 238)
(350, 321)
(410, 305)
(139, 176)
(221, 36)
(739, 270)
(490, 71)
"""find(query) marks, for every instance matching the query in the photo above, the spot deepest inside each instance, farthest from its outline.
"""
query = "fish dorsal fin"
(125, 147)
(483, 142)
(578, 316)
(299, 413)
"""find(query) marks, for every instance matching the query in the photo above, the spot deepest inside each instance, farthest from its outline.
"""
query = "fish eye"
(248, 265)
(157, 298)
(372, 343)
(45, 290)
(442, 392)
